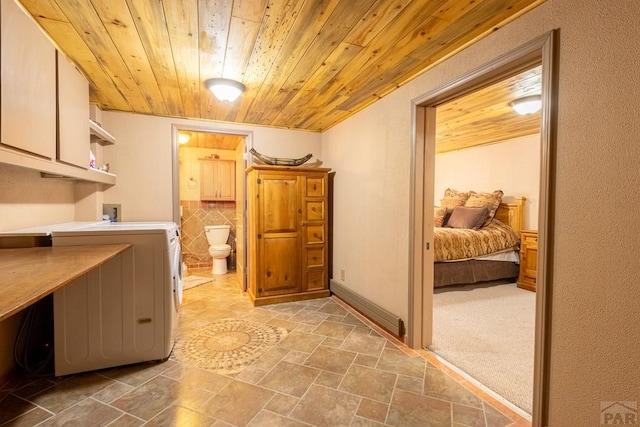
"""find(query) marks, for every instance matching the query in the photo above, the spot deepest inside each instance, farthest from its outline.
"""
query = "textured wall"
(142, 158)
(512, 166)
(594, 318)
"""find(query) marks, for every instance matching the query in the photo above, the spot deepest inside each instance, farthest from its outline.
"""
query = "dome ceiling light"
(527, 105)
(226, 90)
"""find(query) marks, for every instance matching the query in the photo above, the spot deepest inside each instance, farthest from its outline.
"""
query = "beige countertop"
(28, 275)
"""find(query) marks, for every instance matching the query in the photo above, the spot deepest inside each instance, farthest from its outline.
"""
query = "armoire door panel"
(280, 269)
(280, 197)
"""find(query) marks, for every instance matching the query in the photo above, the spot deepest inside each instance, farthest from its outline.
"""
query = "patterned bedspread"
(460, 244)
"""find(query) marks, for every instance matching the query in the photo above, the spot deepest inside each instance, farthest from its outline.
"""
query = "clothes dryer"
(125, 311)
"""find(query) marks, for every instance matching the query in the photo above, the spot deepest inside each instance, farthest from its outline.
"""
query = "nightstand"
(528, 259)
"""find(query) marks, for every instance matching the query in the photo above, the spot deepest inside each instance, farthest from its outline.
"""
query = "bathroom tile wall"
(195, 215)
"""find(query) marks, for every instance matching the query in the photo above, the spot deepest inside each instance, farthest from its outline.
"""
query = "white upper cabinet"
(28, 84)
(73, 114)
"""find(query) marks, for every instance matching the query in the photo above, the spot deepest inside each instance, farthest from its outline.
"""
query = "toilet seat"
(221, 247)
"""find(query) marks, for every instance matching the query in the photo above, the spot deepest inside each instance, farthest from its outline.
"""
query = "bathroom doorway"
(197, 203)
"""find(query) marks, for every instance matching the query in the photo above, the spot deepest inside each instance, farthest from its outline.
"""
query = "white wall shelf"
(99, 135)
(53, 169)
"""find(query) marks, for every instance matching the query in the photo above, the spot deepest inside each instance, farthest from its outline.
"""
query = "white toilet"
(217, 236)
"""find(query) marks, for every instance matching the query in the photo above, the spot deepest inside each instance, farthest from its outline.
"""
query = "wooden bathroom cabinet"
(288, 233)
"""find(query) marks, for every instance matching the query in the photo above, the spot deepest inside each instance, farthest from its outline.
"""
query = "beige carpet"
(488, 332)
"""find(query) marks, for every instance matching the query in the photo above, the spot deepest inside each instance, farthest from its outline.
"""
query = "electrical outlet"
(342, 275)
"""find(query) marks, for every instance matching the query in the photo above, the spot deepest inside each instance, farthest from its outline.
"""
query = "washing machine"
(125, 311)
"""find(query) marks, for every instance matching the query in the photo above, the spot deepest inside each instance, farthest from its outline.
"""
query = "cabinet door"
(28, 87)
(207, 180)
(279, 235)
(226, 180)
(73, 114)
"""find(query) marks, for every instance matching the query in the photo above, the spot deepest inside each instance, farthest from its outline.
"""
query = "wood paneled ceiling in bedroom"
(307, 64)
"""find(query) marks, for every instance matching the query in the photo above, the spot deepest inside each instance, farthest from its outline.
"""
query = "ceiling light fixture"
(183, 137)
(527, 105)
(226, 90)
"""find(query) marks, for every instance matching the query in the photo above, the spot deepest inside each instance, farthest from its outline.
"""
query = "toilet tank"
(217, 234)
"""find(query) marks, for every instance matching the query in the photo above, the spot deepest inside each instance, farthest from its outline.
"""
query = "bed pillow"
(489, 200)
(471, 218)
(438, 216)
(453, 198)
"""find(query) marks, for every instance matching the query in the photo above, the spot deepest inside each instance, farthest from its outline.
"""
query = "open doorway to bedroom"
(483, 313)
(209, 188)
(539, 52)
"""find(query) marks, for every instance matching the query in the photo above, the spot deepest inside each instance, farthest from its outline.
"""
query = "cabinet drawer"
(315, 257)
(315, 234)
(315, 210)
(315, 187)
(315, 280)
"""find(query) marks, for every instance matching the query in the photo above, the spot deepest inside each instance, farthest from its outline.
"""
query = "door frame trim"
(541, 50)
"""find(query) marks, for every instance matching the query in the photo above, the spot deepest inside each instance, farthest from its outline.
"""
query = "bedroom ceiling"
(307, 64)
(485, 116)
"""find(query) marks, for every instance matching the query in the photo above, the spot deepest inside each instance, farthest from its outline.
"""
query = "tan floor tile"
(151, 398)
(28, 419)
(34, 387)
(198, 378)
(71, 391)
(439, 385)
(329, 379)
(290, 378)
(305, 327)
(495, 418)
(467, 416)
(136, 375)
(308, 317)
(331, 359)
(370, 383)
(301, 341)
(335, 330)
(398, 362)
(364, 360)
(112, 392)
(282, 404)
(313, 407)
(332, 342)
(282, 323)
(413, 384)
(266, 418)
(180, 416)
(332, 308)
(352, 320)
(11, 407)
(365, 422)
(296, 357)
(413, 410)
(127, 420)
(272, 357)
(237, 403)
(364, 344)
(373, 410)
(252, 374)
(85, 413)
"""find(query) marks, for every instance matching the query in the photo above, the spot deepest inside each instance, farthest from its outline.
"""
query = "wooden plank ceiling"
(306, 64)
(485, 116)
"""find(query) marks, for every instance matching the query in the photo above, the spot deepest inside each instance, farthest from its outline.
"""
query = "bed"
(488, 253)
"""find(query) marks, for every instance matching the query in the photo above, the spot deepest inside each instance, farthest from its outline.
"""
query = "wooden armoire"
(287, 233)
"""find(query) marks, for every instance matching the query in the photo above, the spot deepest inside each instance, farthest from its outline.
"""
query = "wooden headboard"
(512, 214)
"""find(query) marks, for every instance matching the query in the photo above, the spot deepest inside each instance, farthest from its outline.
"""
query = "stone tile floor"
(331, 367)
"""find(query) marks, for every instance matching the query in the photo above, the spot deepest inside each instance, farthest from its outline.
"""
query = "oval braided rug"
(227, 346)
